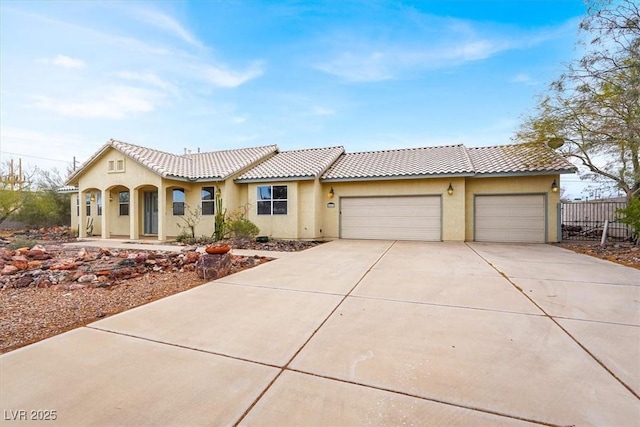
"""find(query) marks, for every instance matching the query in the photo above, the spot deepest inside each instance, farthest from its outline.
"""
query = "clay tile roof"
(217, 165)
(517, 158)
(296, 164)
(445, 160)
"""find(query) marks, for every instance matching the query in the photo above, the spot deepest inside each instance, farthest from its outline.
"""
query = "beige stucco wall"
(137, 179)
(540, 184)
(309, 215)
(453, 207)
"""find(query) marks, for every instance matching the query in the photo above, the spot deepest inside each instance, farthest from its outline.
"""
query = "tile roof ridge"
(112, 142)
(228, 150)
(407, 149)
(313, 149)
(517, 144)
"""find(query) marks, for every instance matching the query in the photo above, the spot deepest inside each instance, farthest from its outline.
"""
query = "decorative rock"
(211, 267)
(84, 255)
(22, 282)
(87, 278)
(105, 252)
(64, 264)
(191, 257)
(34, 265)
(20, 261)
(9, 269)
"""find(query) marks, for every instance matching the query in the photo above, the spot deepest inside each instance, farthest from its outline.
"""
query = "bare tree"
(591, 113)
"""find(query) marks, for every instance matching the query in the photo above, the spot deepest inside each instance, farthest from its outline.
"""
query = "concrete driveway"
(356, 333)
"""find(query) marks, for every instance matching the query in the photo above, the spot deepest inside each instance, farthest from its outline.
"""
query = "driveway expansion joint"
(429, 399)
(553, 319)
(184, 347)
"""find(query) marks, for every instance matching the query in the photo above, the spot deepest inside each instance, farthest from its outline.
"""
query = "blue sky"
(367, 75)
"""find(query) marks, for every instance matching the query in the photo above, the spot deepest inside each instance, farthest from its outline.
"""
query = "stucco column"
(134, 233)
(162, 212)
(106, 213)
(82, 217)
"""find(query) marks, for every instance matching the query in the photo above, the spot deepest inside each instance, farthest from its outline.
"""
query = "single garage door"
(513, 218)
(391, 218)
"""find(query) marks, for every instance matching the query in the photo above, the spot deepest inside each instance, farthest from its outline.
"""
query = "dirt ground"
(33, 312)
(621, 253)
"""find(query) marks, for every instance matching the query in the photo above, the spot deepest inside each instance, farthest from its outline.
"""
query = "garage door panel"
(391, 218)
(514, 218)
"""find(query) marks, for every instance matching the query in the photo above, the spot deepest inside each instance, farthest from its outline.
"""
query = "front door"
(151, 212)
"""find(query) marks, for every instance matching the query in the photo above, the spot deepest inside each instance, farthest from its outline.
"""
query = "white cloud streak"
(222, 77)
(64, 61)
(112, 102)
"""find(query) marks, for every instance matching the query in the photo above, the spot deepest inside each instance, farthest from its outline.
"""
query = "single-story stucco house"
(505, 193)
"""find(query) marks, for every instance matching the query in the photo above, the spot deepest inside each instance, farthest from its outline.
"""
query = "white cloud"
(64, 61)
(150, 79)
(369, 67)
(524, 78)
(319, 110)
(113, 102)
(166, 23)
(223, 77)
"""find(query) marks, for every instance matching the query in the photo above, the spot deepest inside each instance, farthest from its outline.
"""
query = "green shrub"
(21, 242)
(243, 229)
(631, 216)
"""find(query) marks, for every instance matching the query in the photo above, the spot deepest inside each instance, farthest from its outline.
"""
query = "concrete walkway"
(357, 333)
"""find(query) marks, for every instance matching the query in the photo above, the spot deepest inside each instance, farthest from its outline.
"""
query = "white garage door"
(510, 218)
(391, 218)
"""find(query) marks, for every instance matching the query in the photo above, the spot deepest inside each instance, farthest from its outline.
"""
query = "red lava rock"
(84, 255)
(105, 252)
(7, 254)
(191, 257)
(9, 269)
(22, 251)
(44, 283)
(33, 265)
(22, 282)
(64, 264)
(140, 258)
(20, 261)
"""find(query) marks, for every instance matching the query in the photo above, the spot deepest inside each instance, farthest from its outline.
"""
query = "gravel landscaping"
(50, 288)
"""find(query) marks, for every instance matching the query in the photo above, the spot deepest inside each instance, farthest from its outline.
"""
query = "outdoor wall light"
(450, 190)
(110, 196)
(331, 193)
(218, 192)
(554, 186)
(92, 197)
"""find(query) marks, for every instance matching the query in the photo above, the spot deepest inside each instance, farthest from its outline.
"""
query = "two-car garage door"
(391, 218)
(510, 218)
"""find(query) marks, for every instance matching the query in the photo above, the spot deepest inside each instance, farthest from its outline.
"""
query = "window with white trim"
(272, 200)
(99, 203)
(88, 205)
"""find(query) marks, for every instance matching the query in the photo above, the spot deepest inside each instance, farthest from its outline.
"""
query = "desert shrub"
(243, 229)
(21, 242)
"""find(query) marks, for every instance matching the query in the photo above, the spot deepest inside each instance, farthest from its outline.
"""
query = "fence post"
(559, 222)
(604, 232)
